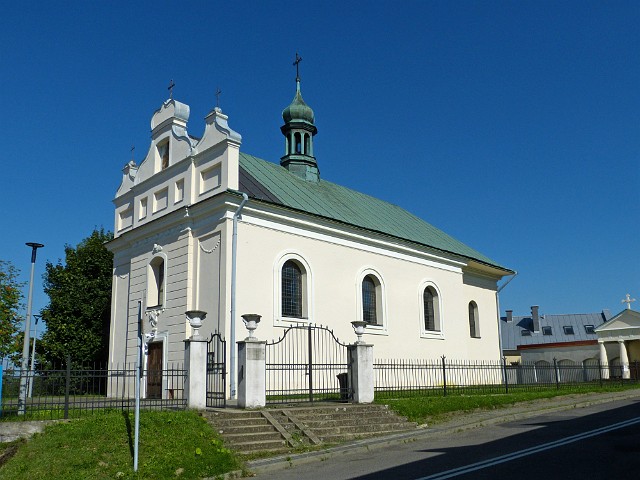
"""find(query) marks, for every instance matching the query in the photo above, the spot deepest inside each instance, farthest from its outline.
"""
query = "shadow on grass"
(127, 422)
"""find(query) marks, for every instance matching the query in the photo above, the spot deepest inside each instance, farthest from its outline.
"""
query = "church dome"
(298, 110)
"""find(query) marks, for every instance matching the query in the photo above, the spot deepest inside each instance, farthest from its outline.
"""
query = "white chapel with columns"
(619, 341)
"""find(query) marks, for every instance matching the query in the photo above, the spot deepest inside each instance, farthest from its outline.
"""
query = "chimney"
(509, 315)
(535, 318)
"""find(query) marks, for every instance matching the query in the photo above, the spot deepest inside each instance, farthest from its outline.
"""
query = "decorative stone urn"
(251, 321)
(195, 318)
(358, 327)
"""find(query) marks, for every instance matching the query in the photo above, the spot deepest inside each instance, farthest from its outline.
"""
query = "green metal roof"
(329, 200)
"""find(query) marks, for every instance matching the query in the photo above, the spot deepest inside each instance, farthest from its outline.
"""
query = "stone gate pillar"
(251, 373)
(361, 373)
(195, 362)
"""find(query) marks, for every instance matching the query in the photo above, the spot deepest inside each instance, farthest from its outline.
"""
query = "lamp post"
(22, 397)
(33, 355)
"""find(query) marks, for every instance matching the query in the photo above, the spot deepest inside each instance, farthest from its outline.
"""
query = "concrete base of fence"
(251, 374)
(362, 379)
(195, 361)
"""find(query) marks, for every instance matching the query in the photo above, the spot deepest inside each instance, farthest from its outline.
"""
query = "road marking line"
(528, 451)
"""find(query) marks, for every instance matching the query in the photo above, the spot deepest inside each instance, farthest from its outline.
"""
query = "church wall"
(482, 290)
(335, 274)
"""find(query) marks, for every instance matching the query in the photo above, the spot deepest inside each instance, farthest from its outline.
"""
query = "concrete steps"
(279, 430)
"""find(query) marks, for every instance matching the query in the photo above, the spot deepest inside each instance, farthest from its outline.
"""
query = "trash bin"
(344, 386)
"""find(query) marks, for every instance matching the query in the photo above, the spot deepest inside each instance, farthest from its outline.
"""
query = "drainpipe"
(234, 250)
(498, 306)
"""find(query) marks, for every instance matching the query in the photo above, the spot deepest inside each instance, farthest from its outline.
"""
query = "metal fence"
(70, 391)
(402, 378)
(307, 364)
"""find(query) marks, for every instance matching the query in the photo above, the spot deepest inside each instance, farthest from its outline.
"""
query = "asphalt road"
(597, 442)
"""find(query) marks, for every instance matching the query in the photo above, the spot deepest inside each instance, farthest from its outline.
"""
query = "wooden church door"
(154, 370)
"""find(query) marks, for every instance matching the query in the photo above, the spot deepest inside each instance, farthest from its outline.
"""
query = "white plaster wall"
(335, 276)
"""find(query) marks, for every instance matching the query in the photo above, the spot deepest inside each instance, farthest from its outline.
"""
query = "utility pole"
(22, 398)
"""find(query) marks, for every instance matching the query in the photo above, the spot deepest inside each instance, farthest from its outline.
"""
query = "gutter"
(234, 253)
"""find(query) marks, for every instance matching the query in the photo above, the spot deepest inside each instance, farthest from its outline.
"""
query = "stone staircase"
(280, 430)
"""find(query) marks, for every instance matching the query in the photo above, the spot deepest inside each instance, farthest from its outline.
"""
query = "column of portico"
(624, 360)
(604, 361)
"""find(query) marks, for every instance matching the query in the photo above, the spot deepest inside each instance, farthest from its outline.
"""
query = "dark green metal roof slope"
(327, 199)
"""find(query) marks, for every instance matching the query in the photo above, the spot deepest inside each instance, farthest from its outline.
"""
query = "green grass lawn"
(172, 445)
(434, 409)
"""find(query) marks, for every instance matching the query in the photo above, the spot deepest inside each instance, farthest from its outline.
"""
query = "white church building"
(201, 225)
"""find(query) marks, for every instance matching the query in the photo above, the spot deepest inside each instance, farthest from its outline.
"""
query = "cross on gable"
(297, 64)
(171, 85)
(132, 149)
(628, 301)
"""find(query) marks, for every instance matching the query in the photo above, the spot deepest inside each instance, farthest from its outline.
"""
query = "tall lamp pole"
(22, 397)
(33, 355)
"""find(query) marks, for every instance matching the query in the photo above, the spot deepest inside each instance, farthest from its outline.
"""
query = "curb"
(491, 417)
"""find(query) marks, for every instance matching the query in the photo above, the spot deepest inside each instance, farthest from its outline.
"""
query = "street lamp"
(22, 397)
(33, 354)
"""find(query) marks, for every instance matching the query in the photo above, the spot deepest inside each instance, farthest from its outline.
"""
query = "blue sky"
(511, 125)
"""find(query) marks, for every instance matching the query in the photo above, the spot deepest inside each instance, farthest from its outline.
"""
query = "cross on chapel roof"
(628, 301)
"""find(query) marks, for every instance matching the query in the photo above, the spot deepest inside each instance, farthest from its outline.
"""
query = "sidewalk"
(458, 422)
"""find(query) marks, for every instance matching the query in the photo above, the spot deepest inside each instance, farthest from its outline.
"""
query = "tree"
(79, 310)
(10, 304)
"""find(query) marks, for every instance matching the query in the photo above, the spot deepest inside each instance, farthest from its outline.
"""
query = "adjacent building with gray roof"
(545, 337)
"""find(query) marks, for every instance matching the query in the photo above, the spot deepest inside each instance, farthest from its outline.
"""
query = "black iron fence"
(395, 378)
(69, 391)
(307, 364)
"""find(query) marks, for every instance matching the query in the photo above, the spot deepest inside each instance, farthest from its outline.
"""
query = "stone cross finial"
(171, 85)
(218, 92)
(628, 301)
(297, 64)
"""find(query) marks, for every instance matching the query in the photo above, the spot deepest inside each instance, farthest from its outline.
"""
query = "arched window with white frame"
(430, 307)
(371, 301)
(291, 289)
(292, 279)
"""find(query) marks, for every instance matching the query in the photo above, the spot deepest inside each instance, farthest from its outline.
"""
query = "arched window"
(156, 283)
(369, 300)
(291, 289)
(430, 297)
(298, 143)
(474, 330)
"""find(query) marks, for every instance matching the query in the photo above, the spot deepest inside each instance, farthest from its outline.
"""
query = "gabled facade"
(302, 250)
(619, 342)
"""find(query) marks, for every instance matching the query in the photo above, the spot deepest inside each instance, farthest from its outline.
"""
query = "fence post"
(444, 376)
(67, 387)
(310, 362)
(555, 370)
(600, 371)
(504, 372)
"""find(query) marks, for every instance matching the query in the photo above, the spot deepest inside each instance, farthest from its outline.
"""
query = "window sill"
(433, 335)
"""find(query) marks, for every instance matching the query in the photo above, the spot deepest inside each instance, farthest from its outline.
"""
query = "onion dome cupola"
(299, 130)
